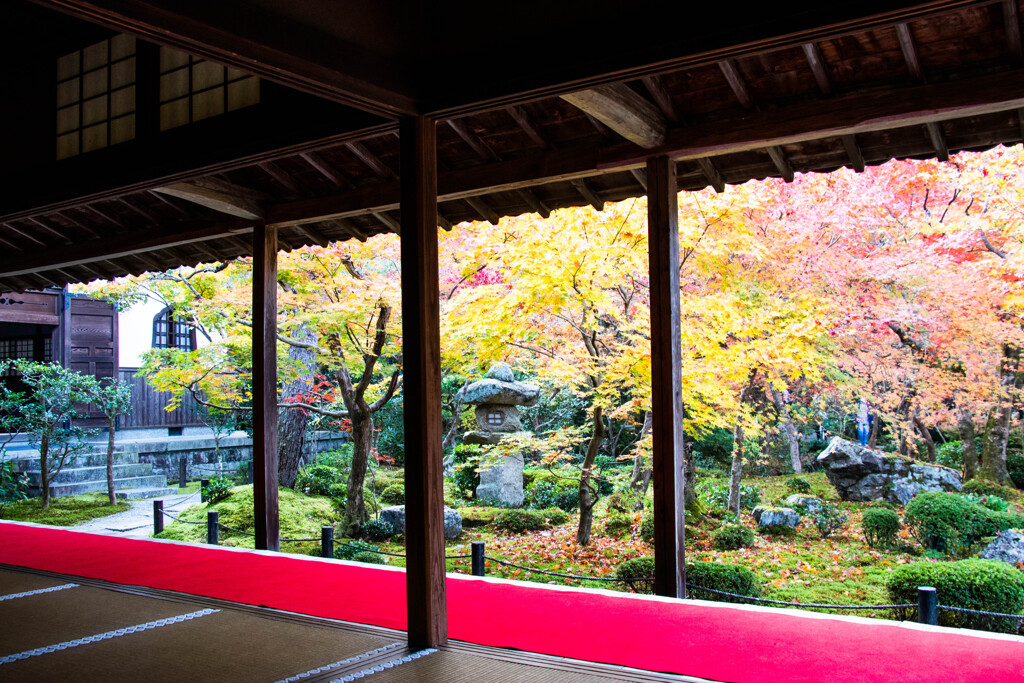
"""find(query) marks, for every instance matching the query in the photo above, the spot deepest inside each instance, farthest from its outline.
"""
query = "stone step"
(72, 475)
(149, 492)
(99, 459)
(78, 488)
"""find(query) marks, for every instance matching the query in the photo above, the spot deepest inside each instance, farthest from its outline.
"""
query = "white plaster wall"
(135, 332)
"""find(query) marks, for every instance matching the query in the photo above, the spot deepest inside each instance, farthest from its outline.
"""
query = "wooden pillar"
(421, 386)
(264, 385)
(666, 379)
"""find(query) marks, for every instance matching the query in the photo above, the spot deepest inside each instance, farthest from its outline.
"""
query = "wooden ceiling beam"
(325, 169)
(938, 139)
(739, 88)
(778, 158)
(909, 51)
(711, 173)
(656, 87)
(1011, 22)
(853, 151)
(588, 193)
(390, 223)
(443, 222)
(534, 202)
(526, 124)
(275, 172)
(352, 229)
(50, 229)
(483, 209)
(218, 195)
(104, 216)
(128, 203)
(641, 176)
(21, 233)
(623, 111)
(481, 148)
(125, 245)
(167, 202)
(371, 160)
(313, 235)
(817, 64)
(79, 224)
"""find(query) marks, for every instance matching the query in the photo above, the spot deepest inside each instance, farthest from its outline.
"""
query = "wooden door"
(89, 343)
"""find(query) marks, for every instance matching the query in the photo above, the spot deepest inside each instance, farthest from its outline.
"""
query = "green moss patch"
(64, 511)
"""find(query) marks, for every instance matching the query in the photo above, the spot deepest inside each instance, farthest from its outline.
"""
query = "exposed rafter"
(853, 151)
(712, 174)
(218, 195)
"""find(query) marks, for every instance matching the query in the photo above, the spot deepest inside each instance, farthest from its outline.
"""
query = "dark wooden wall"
(148, 406)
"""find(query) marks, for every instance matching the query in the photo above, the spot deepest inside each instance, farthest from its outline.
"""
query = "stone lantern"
(496, 398)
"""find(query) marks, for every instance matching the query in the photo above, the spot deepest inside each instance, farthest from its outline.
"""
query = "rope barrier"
(547, 573)
(982, 612)
(796, 604)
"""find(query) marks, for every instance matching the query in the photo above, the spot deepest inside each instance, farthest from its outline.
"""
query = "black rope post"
(250, 471)
(158, 516)
(182, 475)
(326, 538)
(203, 484)
(927, 605)
(478, 558)
(212, 527)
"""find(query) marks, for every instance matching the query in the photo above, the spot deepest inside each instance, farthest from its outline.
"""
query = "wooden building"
(149, 134)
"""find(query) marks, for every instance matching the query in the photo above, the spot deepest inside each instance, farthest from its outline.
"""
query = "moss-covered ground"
(64, 511)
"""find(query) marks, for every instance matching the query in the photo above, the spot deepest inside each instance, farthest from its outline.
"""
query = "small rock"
(1008, 547)
(810, 503)
(765, 516)
(501, 372)
(395, 515)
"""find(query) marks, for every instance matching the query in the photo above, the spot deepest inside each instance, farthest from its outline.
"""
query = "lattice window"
(495, 418)
(24, 348)
(172, 333)
(96, 96)
(192, 89)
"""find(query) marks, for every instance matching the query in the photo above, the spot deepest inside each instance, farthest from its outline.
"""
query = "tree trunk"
(292, 428)
(965, 428)
(642, 470)
(993, 447)
(44, 468)
(690, 480)
(875, 427)
(791, 431)
(736, 472)
(588, 495)
(110, 460)
(926, 436)
(355, 503)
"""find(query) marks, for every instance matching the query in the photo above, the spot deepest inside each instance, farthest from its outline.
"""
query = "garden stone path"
(137, 522)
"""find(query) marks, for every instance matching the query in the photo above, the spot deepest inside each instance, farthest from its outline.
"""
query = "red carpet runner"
(709, 641)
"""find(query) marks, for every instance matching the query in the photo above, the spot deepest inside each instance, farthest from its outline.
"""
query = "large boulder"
(810, 503)
(863, 474)
(395, 516)
(768, 516)
(1008, 547)
(501, 393)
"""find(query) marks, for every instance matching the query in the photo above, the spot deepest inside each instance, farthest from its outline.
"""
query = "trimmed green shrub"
(948, 523)
(988, 488)
(716, 495)
(880, 526)
(321, 480)
(377, 530)
(369, 558)
(626, 501)
(1015, 465)
(638, 574)
(348, 550)
(393, 494)
(991, 502)
(798, 485)
(548, 492)
(733, 537)
(519, 521)
(971, 584)
(218, 489)
(950, 454)
(647, 526)
(828, 518)
(730, 578)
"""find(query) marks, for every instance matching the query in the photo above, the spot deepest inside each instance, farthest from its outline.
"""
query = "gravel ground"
(138, 521)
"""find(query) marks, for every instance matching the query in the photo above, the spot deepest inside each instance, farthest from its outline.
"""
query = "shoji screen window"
(193, 89)
(96, 96)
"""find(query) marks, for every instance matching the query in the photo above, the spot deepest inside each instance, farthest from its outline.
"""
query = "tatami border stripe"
(386, 665)
(106, 636)
(335, 665)
(51, 589)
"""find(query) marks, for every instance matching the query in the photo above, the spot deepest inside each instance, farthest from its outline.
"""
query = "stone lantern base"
(502, 481)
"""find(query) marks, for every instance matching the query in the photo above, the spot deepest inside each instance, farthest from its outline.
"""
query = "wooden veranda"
(145, 153)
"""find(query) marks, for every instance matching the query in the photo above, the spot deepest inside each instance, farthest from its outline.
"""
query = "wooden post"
(421, 351)
(666, 379)
(264, 385)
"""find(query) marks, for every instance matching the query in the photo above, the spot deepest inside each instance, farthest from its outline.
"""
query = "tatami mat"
(457, 667)
(12, 582)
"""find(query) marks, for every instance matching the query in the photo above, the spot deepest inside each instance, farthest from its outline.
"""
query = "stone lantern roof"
(500, 388)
